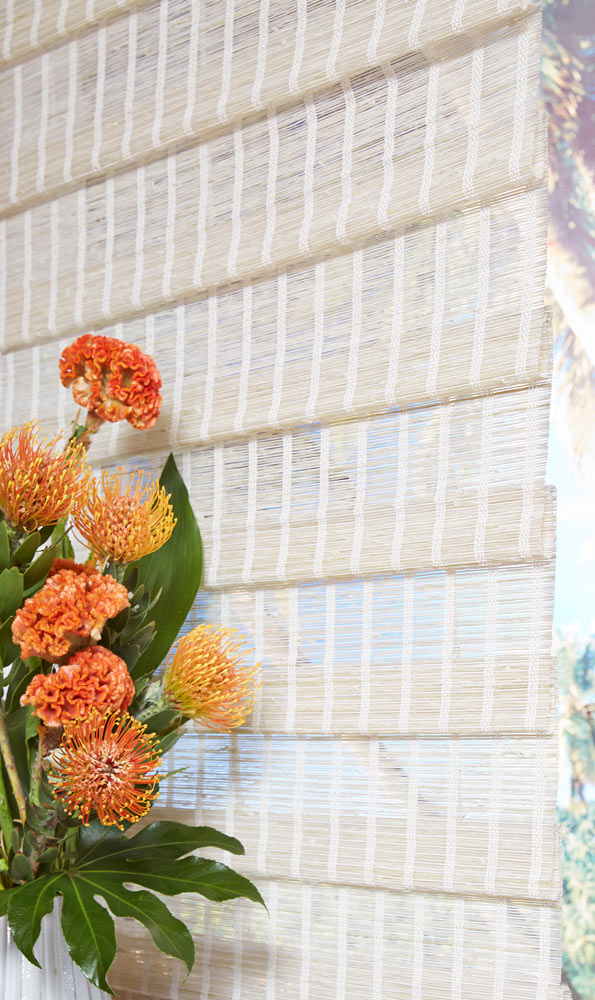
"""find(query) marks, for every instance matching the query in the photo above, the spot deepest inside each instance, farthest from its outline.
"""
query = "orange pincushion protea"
(129, 520)
(112, 380)
(67, 613)
(205, 681)
(106, 764)
(94, 678)
(38, 484)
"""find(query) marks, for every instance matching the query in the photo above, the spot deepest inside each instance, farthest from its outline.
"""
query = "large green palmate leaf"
(106, 864)
(176, 568)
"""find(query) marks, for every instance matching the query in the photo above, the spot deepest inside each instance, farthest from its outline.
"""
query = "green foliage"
(105, 863)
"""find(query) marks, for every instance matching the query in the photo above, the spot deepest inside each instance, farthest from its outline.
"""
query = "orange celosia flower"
(112, 380)
(205, 682)
(94, 678)
(67, 613)
(106, 764)
(129, 520)
(39, 485)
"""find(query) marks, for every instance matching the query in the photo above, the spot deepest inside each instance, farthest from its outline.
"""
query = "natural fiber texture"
(326, 221)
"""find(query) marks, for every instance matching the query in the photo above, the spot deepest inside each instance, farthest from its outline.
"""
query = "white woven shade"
(326, 221)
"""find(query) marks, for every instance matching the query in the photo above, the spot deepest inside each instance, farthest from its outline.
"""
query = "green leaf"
(163, 839)
(177, 568)
(8, 650)
(20, 868)
(39, 569)
(169, 934)
(4, 546)
(11, 592)
(88, 930)
(27, 548)
(27, 904)
(209, 878)
(21, 674)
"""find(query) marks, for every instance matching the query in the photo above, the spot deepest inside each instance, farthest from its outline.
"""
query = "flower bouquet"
(87, 709)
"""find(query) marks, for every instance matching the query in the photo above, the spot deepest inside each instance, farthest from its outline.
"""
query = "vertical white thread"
(246, 359)
(349, 99)
(392, 90)
(483, 291)
(207, 944)
(43, 121)
(280, 349)
(448, 642)
(114, 434)
(271, 207)
(255, 722)
(317, 341)
(140, 238)
(379, 12)
(292, 657)
(407, 652)
(54, 260)
(450, 853)
(369, 857)
(335, 800)
(81, 253)
(2, 285)
(90, 12)
(233, 774)
(176, 410)
(236, 204)
(61, 22)
(378, 962)
(397, 321)
(538, 818)
(322, 501)
(536, 628)
(27, 268)
(494, 805)
(483, 493)
(261, 53)
(298, 52)
(529, 472)
(272, 901)
(263, 826)
(201, 218)
(71, 109)
(17, 118)
(520, 100)
(410, 843)
(110, 221)
(298, 804)
(284, 516)
(545, 919)
(474, 120)
(9, 22)
(160, 79)
(360, 497)
(500, 951)
(458, 949)
(456, 23)
(418, 949)
(356, 329)
(170, 235)
(441, 483)
(309, 159)
(226, 62)
(502, 6)
(331, 62)
(150, 333)
(99, 95)
(9, 402)
(528, 288)
(489, 656)
(366, 660)
(329, 658)
(63, 392)
(439, 302)
(35, 378)
(186, 464)
(211, 367)
(430, 137)
(418, 13)
(251, 509)
(341, 944)
(130, 81)
(401, 490)
(193, 43)
(36, 18)
(305, 942)
(218, 475)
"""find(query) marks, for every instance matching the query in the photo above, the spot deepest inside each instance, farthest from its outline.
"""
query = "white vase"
(59, 977)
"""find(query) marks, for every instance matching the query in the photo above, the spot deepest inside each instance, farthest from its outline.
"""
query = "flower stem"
(11, 770)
